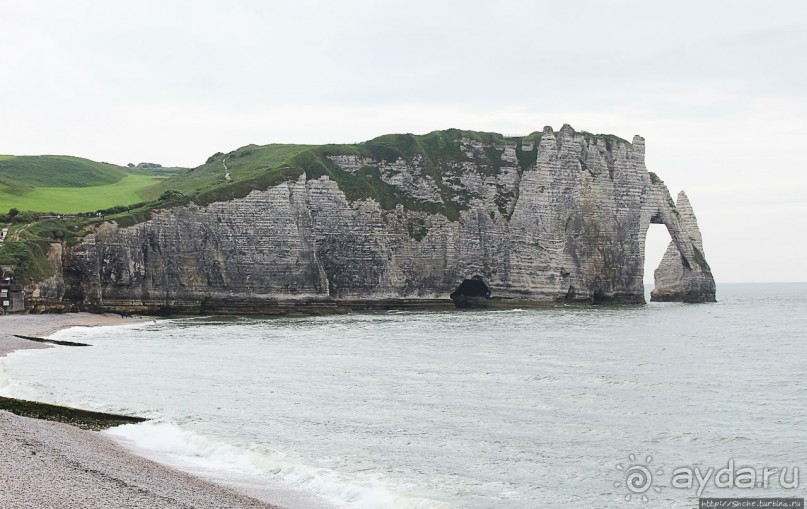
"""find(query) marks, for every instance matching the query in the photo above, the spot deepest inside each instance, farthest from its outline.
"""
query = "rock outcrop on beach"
(474, 220)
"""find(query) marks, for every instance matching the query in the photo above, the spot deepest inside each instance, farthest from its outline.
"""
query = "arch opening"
(657, 242)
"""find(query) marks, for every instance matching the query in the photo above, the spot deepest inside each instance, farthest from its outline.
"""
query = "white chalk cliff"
(556, 216)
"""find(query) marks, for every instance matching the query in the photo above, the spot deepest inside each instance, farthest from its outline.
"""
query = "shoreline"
(50, 464)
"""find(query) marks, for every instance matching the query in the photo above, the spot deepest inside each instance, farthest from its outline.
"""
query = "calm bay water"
(501, 409)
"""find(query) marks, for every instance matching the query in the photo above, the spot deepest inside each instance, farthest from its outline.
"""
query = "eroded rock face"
(678, 278)
(567, 224)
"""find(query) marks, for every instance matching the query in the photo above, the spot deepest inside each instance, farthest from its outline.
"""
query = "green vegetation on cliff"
(247, 168)
(259, 167)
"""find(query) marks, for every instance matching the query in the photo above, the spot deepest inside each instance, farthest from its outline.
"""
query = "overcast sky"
(718, 89)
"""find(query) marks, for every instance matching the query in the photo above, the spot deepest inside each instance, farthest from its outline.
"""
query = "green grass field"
(58, 171)
(68, 200)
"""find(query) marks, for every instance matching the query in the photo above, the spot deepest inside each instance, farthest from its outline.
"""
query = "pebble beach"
(49, 464)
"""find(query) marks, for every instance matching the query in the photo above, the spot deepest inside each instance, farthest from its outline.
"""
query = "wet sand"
(49, 464)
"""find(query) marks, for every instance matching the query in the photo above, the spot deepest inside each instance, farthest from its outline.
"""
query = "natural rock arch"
(683, 274)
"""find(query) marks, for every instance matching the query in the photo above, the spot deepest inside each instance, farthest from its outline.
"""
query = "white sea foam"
(198, 454)
(83, 332)
(13, 388)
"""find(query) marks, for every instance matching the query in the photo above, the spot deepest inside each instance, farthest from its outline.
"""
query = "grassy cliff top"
(237, 173)
(68, 185)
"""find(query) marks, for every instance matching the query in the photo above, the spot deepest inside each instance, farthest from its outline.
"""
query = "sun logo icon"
(638, 477)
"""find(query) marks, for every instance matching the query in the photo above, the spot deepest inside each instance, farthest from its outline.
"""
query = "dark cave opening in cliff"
(656, 242)
(471, 293)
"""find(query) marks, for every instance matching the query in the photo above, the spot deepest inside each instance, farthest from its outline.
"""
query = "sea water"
(559, 407)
